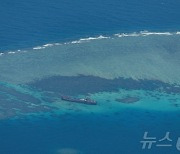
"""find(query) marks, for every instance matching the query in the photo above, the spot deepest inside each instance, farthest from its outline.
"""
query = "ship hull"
(81, 101)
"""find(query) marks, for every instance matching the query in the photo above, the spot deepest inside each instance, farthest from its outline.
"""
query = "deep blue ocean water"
(30, 23)
(89, 134)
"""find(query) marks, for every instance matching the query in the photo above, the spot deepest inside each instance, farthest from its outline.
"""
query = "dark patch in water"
(18, 95)
(75, 85)
(173, 99)
(176, 105)
(13, 102)
(128, 100)
(116, 113)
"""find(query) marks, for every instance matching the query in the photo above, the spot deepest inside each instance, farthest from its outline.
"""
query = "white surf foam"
(94, 38)
(88, 39)
(57, 43)
(38, 48)
(126, 34)
(76, 42)
(48, 45)
(144, 33)
(11, 52)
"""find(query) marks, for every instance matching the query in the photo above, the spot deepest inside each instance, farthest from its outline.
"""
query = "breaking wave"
(146, 33)
(83, 40)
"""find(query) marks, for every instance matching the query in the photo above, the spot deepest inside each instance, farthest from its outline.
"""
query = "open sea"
(123, 54)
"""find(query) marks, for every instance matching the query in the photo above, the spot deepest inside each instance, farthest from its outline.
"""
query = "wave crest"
(84, 40)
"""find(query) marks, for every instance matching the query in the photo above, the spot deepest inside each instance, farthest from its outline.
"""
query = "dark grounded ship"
(87, 101)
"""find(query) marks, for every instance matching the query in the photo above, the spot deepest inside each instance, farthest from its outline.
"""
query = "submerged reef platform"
(128, 100)
(44, 95)
(82, 84)
(15, 100)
